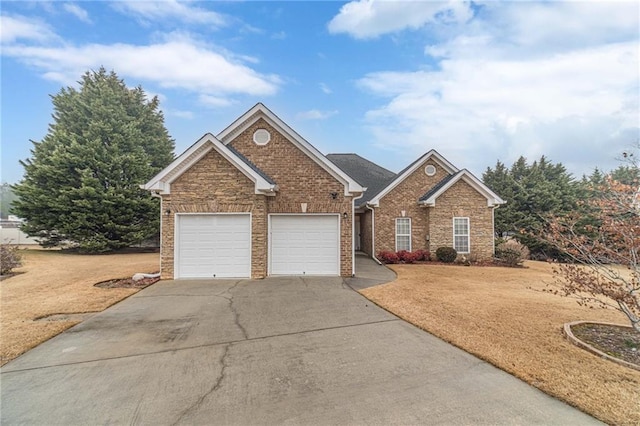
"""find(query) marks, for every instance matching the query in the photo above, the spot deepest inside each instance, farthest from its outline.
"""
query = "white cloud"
(562, 25)
(20, 28)
(559, 79)
(214, 101)
(175, 63)
(189, 115)
(315, 114)
(77, 11)
(170, 10)
(370, 18)
(325, 89)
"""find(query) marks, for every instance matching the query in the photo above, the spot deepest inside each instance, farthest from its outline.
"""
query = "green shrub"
(511, 253)
(9, 258)
(446, 254)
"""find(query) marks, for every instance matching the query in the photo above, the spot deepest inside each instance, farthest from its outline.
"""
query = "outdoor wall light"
(345, 215)
(167, 212)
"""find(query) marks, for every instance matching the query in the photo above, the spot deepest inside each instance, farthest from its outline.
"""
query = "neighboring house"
(258, 200)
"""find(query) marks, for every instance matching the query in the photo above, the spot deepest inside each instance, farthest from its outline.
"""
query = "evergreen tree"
(81, 183)
(7, 198)
(627, 175)
(533, 193)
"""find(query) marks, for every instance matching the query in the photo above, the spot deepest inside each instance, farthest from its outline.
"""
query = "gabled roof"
(431, 155)
(366, 173)
(260, 111)
(162, 181)
(250, 164)
(429, 199)
(437, 187)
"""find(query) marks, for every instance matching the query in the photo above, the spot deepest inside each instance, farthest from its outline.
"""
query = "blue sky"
(477, 81)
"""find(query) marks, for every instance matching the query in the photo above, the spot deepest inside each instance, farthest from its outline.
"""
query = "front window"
(461, 234)
(403, 234)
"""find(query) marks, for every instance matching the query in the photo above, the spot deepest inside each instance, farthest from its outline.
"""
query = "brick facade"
(461, 200)
(306, 184)
(300, 180)
(213, 185)
(432, 227)
(405, 197)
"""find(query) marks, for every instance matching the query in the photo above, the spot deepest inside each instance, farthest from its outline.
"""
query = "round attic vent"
(261, 137)
(430, 170)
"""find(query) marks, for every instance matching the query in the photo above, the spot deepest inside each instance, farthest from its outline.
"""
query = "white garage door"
(304, 245)
(213, 246)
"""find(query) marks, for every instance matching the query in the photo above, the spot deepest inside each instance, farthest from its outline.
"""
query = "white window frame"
(467, 234)
(403, 235)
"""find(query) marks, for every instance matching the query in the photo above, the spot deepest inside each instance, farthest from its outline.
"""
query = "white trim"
(261, 132)
(176, 262)
(492, 198)
(493, 230)
(258, 111)
(462, 235)
(373, 233)
(419, 163)
(162, 181)
(269, 239)
(430, 170)
(402, 235)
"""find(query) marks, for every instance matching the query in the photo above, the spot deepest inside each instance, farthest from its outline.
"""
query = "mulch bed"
(619, 342)
(127, 283)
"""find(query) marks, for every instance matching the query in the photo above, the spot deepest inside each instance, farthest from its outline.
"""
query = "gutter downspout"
(373, 233)
(493, 227)
(157, 195)
(353, 231)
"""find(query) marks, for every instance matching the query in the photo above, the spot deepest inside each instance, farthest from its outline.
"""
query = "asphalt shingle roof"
(437, 186)
(363, 171)
(250, 164)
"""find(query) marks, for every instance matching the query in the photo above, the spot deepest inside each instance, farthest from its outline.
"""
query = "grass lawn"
(491, 313)
(55, 282)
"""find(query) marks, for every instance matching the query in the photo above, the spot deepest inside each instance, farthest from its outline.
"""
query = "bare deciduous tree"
(603, 241)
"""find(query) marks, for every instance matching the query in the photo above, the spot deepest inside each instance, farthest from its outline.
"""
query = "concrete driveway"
(275, 351)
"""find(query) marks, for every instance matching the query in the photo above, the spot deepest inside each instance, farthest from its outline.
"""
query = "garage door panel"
(304, 245)
(211, 245)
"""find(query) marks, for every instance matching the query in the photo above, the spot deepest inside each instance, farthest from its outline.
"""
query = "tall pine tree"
(81, 184)
(533, 192)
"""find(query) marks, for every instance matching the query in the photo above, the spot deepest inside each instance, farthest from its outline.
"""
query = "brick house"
(258, 200)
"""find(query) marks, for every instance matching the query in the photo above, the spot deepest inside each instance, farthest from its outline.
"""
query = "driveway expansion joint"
(206, 345)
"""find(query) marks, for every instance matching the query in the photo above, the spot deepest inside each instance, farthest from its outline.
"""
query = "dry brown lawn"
(491, 313)
(55, 282)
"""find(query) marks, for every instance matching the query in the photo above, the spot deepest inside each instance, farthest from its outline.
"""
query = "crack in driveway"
(234, 311)
(216, 385)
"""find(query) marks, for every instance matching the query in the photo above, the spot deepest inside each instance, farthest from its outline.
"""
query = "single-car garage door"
(213, 246)
(304, 245)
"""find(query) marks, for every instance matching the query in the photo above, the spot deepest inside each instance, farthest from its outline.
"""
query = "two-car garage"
(218, 245)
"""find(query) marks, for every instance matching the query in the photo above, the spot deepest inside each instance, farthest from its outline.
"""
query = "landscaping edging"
(573, 339)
